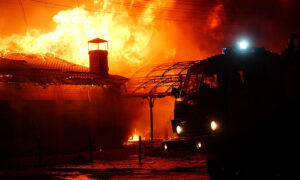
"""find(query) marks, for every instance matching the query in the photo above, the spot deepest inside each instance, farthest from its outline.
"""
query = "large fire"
(129, 36)
(135, 29)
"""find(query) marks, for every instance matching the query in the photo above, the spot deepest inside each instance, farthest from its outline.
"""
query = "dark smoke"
(267, 23)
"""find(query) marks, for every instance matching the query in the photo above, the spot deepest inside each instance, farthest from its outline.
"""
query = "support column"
(151, 100)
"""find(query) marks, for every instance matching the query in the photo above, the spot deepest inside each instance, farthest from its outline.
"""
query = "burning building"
(60, 103)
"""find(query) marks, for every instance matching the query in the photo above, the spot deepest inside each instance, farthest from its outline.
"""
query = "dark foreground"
(120, 163)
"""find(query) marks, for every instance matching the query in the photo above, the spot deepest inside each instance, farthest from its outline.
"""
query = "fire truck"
(241, 107)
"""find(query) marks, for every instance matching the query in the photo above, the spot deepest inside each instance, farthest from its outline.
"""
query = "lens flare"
(243, 44)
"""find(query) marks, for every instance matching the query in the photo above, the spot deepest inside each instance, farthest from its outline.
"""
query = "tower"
(98, 52)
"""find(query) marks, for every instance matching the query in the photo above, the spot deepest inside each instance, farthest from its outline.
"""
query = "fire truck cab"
(239, 106)
(227, 93)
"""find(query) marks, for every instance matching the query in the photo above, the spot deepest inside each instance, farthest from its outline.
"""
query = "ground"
(120, 163)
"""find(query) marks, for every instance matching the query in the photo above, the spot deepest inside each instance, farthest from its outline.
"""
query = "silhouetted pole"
(151, 103)
(39, 152)
(140, 149)
(91, 149)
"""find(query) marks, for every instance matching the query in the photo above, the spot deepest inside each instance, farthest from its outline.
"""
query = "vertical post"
(140, 149)
(39, 152)
(181, 84)
(151, 103)
(91, 149)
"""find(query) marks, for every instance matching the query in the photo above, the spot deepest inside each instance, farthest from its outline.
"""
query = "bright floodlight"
(243, 44)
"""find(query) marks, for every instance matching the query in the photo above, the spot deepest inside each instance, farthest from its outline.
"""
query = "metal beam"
(159, 77)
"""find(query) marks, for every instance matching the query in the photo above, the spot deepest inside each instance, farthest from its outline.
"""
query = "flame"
(135, 137)
(129, 36)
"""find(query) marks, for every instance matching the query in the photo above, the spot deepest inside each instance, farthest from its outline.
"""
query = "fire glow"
(129, 36)
(133, 138)
(135, 36)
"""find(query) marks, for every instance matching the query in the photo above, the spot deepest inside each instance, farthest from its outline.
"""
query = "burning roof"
(48, 69)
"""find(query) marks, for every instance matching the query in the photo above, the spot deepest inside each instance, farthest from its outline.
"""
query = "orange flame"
(135, 137)
(129, 36)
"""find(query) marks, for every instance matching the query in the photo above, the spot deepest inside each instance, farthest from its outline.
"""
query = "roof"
(23, 61)
(212, 64)
(159, 80)
(48, 69)
(97, 40)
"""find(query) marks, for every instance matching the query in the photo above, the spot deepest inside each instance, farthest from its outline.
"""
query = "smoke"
(266, 23)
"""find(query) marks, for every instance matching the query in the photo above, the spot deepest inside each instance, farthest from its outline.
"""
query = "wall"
(63, 117)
